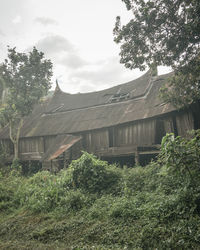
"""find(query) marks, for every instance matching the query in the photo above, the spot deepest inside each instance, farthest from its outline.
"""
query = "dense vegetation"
(164, 32)
(26, 77)
(93, 205)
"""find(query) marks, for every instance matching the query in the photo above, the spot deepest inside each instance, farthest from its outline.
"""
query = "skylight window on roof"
(119, 97)
(58, 108)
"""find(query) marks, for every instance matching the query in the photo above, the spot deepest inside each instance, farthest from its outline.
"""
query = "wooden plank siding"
(128, 135)
(31, 148)
(185, 122)
(32, 144)
(118, 139)
(49, 141)
(136, 133)
(126, 139)
(95, 140)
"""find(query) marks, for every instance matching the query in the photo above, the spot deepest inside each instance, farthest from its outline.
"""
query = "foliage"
(27, 78)
(42, 192)
(183, 87)
(164, 32)
(31, 167)
(9, 185)
(181, 155)
(92, 174)
(3, 155)
(156, 206)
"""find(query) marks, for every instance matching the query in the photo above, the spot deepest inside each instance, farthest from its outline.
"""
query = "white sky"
(75, 34)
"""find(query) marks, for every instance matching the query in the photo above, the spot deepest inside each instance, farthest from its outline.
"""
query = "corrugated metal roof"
(64, 101)
(61, 144)
(67, 114)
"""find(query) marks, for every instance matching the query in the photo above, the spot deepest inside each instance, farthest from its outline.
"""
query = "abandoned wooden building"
(125, 122)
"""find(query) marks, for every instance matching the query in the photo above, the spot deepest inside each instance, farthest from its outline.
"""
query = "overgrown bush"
(181, 155)
(180, 161)
(45, 192)
(93, 175)
(31, 168)
(9, 186)
(141, 179)
(42, 192)
(151, 207)
(3, 156)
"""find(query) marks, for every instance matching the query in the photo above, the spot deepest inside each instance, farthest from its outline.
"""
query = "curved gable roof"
(63, 101)
(68, 114)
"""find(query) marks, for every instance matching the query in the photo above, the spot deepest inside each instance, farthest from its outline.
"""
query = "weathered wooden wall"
(139, 133)
(31, 144)
(49, 141)
(31, 148)
(185, 122)
(75, 151)
(95, 140)
(144, 132)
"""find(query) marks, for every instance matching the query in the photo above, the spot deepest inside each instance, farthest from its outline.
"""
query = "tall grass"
(157, 206)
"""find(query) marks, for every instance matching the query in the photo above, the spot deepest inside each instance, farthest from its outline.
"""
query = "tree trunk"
(16, 150)
(14, 136)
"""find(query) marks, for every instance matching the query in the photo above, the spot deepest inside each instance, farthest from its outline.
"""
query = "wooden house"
(125, 123)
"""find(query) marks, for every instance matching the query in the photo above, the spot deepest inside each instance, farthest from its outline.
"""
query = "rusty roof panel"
(62, 143)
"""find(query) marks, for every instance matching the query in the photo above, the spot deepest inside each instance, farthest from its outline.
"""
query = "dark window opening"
(146, 159)
(174, 126)
(31, 167)
(196, 122)
(160, 131)
(129, 160)
(196, 116)
(195, 109)
(111, 137)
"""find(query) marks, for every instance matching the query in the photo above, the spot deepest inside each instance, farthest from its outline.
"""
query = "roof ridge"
(57, 89)
(151, 82)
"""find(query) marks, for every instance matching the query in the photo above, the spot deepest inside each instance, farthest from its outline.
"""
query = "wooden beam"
(30, 156)
(137, 158)
(149, 152)
(117, 151)
(128, 150)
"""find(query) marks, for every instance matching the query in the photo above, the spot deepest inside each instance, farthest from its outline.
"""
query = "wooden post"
(64, 160)
(137, 158)
(51, 167)
(70, 154)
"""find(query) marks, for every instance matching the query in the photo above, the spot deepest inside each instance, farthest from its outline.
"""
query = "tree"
(164, 32)
(27, 78)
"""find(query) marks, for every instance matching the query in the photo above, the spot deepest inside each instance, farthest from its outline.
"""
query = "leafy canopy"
(27, 77)
(164, 32)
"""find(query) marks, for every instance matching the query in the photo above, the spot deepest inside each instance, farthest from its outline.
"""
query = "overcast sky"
(75, 34)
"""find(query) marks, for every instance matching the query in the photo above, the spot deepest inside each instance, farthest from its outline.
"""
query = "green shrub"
(3, 156)
(182, 156)
(93, 175)
(151, 207)
(45, 192)
(140, 179)
(74, 200)
(9, 186)
(125, 208)
(30, 168)
(101, 207)
(41, 193)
